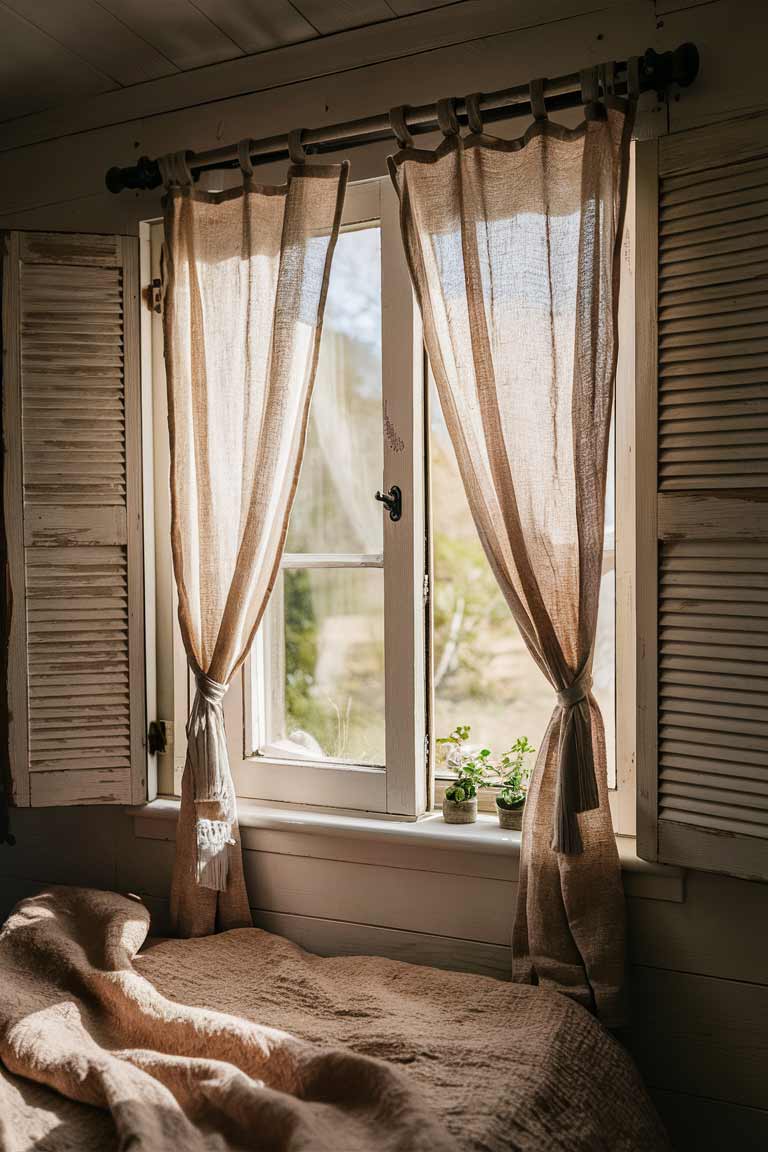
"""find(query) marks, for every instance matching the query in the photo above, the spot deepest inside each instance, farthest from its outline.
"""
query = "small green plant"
(472, 769)
(514, 772)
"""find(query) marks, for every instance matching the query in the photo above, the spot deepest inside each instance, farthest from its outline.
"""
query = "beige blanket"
(430, 1060)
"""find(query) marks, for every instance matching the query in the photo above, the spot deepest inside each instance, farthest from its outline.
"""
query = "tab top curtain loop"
(590, 86)
(538, 103)
(446, 117)
(399, 127)
(295, 147)
(175, 170)
(244, 158)
(474, 115)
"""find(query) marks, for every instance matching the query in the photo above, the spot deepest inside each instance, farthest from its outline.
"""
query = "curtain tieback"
(211, 690)
(576, 789)
(208, 761)
(576, 692)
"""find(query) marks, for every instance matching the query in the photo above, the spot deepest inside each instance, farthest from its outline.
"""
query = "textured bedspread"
(356, 1054)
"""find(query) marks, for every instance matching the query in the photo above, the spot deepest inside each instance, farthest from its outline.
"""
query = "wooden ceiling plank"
(177, 29)
(337, 15)
(470, 20)
(258, 27)
(407, 7)
(38, 72)
(92, 33)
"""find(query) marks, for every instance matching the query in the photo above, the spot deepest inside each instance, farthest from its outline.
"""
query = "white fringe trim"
(213, 840)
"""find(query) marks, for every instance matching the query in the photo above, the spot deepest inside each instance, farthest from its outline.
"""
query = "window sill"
(429, 843)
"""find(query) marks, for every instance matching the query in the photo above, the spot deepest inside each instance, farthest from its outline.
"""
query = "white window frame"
(404, 787)
(398, 788)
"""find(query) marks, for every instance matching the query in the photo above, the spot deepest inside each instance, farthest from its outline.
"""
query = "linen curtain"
(246, 276)
(514, 249)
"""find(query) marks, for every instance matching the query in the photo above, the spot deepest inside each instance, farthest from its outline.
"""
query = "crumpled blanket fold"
(278, 1049)
(76, 1016)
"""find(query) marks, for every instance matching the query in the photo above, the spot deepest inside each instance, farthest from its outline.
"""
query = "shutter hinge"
(157, 740)
(153, 296)
(425, 588)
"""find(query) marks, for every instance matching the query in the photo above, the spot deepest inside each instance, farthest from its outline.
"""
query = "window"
(380, 632)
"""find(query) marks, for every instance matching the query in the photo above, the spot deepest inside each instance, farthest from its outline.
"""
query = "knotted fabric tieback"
(576, 789)
(211, 782)
(575, 692)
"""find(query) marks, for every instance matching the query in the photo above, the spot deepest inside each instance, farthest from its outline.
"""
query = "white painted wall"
(698, 965)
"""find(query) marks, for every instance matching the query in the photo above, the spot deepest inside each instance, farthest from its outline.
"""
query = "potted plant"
(514, 774)
(472, 770)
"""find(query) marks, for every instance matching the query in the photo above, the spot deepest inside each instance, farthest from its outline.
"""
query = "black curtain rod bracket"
(658, 71)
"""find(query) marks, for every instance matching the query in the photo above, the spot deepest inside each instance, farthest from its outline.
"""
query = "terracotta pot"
(510, 817)
(460, 811)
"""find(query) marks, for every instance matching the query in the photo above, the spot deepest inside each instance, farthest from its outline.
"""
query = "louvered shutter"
(72, 498)
(703, 615)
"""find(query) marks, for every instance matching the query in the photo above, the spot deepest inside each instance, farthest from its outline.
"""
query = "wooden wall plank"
(719, 930)
(731, 37)
(701, 1036)
(699, 1125)
(339, 938)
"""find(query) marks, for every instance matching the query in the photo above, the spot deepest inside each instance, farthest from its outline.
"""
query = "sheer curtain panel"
(246, 276)
(513, 248)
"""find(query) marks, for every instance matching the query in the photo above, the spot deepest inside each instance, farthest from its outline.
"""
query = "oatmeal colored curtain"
(514, 252)
(246, 276)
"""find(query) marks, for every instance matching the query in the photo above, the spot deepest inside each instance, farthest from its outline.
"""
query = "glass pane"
(483, 674)
(328, 664)
(343, 465)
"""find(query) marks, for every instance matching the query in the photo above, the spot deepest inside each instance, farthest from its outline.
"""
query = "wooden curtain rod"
(656, 72)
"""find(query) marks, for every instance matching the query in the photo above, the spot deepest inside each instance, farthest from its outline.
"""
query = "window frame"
(406, 787)
(399, 787)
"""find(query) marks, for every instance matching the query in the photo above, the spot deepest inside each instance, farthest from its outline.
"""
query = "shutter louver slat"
(71, 312)
(711, 674)
(713, 377)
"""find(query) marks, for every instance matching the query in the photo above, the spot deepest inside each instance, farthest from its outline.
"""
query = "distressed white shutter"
(72, 488)
(702, 415)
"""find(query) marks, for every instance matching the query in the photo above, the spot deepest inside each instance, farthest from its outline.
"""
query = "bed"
(242, 1040)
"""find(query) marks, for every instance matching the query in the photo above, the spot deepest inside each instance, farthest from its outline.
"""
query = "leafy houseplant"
(514, 773)
(472, 771)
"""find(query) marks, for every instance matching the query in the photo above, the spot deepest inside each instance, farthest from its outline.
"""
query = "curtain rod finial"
(145, 174)
(680, 66)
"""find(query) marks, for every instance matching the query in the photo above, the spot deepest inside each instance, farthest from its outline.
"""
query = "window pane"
(482, 673)
(328, 702)
(343, 465)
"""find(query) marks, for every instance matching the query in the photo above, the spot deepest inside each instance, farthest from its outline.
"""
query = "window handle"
(393, 501)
